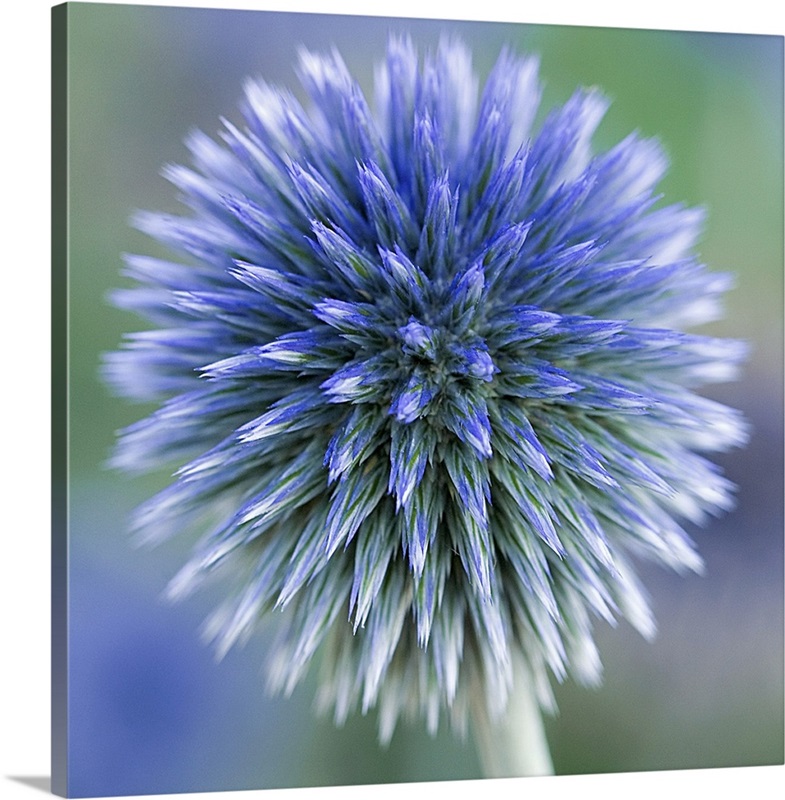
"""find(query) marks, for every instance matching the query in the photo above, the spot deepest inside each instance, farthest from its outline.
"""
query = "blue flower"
(425, 377)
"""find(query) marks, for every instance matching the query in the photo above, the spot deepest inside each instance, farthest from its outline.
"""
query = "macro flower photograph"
(425, 390)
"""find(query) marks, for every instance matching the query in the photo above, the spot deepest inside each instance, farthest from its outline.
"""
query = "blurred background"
(150, 709)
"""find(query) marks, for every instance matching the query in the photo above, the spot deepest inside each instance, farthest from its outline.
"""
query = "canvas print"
(418, 400)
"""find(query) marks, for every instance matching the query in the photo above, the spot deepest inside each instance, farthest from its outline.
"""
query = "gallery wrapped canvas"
(417, 400)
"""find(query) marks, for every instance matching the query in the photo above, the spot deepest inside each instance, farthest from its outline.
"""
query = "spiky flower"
(426, 376)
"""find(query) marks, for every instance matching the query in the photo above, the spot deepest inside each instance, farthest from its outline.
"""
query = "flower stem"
(514, 745)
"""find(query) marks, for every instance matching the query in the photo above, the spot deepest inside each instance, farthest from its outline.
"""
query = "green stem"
(513, 745)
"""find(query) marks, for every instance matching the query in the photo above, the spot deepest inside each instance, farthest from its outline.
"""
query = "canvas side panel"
(59, 419)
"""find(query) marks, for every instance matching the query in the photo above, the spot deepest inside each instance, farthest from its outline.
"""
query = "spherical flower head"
(425, 375)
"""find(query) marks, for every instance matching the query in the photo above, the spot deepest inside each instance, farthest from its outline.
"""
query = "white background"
(24, 387)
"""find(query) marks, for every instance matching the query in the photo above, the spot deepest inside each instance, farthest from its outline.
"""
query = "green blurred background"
(150, 709)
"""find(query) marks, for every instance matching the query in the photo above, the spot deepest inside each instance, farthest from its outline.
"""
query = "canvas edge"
(59, 399)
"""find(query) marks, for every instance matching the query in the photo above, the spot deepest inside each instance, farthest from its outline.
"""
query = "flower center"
(437, 363)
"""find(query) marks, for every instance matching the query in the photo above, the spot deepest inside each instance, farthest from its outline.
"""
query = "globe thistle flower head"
(425, 376)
